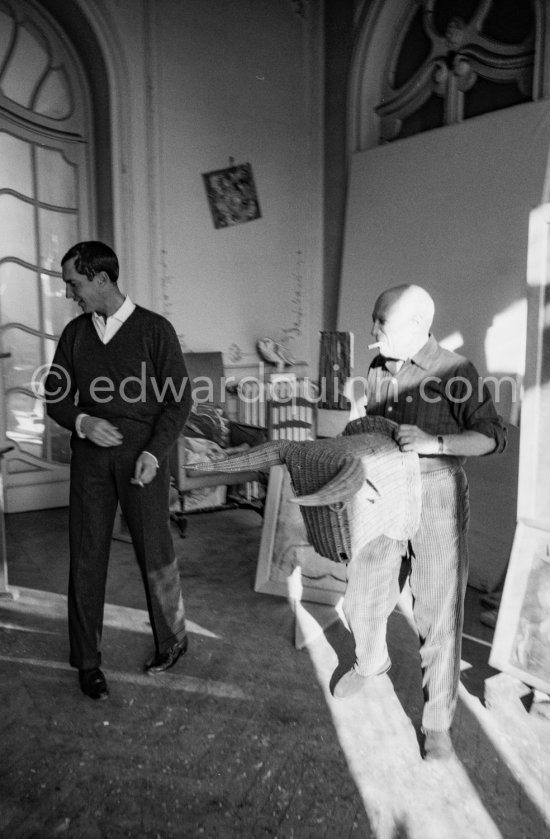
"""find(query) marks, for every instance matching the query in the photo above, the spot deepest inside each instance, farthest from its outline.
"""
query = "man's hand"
(145, 469)
(101, 432)
(411, 438)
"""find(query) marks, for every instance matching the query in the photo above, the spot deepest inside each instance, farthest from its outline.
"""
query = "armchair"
(206, 374)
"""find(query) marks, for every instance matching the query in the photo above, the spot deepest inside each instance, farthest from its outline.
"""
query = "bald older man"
(445, 414)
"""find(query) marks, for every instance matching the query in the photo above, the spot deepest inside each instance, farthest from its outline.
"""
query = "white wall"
(207, 80)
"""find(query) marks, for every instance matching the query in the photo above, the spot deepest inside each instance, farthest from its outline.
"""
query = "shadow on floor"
(242, 739)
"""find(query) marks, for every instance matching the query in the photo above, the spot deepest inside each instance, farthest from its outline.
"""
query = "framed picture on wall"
(232, 195)
(521, 646)
(287, 564)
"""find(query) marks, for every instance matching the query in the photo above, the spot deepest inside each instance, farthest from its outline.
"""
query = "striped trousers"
(439, 571)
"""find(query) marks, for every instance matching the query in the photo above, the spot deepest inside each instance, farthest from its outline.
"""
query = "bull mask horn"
(349, 480)
(260, 457)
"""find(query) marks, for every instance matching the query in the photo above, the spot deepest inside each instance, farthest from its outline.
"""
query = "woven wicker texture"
(260, 457)
(388, 501)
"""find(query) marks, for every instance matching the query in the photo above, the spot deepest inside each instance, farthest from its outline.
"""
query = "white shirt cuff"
(153, 456)
(78, 426)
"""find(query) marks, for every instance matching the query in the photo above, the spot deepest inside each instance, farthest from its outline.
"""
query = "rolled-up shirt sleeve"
(474, 407)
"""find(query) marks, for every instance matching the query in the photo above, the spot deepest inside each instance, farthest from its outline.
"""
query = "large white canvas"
(449, 210)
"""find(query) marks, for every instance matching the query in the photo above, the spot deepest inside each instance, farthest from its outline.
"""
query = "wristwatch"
(441, 444)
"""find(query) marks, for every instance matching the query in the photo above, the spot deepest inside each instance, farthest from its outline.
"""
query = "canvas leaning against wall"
(288, 566)
(521, 644)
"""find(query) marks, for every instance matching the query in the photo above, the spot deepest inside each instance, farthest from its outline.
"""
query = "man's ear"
(103, 278)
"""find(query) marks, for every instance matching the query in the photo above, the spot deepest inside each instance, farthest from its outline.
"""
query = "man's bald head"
(402, 318)
(411, 298)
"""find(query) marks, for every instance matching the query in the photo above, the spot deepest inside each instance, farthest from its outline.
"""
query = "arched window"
(424, 65)
(457, 59)
(45, 206)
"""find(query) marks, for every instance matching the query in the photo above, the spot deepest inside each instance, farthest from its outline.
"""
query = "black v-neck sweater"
(138, 380)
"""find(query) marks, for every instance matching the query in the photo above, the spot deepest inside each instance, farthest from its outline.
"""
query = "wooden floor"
(243, 737)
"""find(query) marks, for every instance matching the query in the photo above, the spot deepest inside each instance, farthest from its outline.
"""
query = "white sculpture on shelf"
(275, 353)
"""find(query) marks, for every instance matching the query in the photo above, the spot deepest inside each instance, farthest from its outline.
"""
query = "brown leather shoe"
(162, 661)
(437, 745)
(93, 684)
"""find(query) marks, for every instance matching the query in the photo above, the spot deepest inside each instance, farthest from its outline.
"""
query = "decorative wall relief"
(165, 286)
(297, 301)
(232, 195)
(235, 354)
(166, 280)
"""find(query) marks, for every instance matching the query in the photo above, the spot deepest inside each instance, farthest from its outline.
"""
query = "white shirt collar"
(122, 313)
(106, 329)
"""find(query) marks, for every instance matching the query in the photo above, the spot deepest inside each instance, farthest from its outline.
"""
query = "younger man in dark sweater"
(118, 381)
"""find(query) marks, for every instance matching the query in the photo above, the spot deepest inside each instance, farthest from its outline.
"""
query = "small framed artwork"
(288, 566)
(232, 195)
(521, 646)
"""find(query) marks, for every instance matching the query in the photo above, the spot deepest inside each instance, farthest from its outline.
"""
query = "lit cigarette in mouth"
(376, 344)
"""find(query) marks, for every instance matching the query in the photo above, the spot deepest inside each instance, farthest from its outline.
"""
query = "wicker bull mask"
(350, 489)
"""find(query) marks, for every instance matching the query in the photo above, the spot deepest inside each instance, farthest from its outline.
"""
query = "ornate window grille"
(457, 59)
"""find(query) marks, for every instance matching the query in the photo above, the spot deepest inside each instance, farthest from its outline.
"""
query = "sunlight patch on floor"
(507, 744)
(14, 627)
(508, 753)
(400, 791)
(50, 605)
(169, 681)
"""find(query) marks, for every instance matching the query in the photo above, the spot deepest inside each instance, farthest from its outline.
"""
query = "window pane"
(25, 68)
(25, 357)
(446, 10)
(486, 96)
(58, 232)
(56, 178)
(54, 97)
(6, 31)
(19, 296)
(60, 442)
(49, 349)
(415, 50)
(509, 21)
(18, 231)
(58, 311)
(25, 422)
(15, 164)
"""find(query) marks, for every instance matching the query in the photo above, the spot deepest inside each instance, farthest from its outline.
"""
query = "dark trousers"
(100, 479)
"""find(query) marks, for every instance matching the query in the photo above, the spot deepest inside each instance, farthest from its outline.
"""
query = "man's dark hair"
(92, 257)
